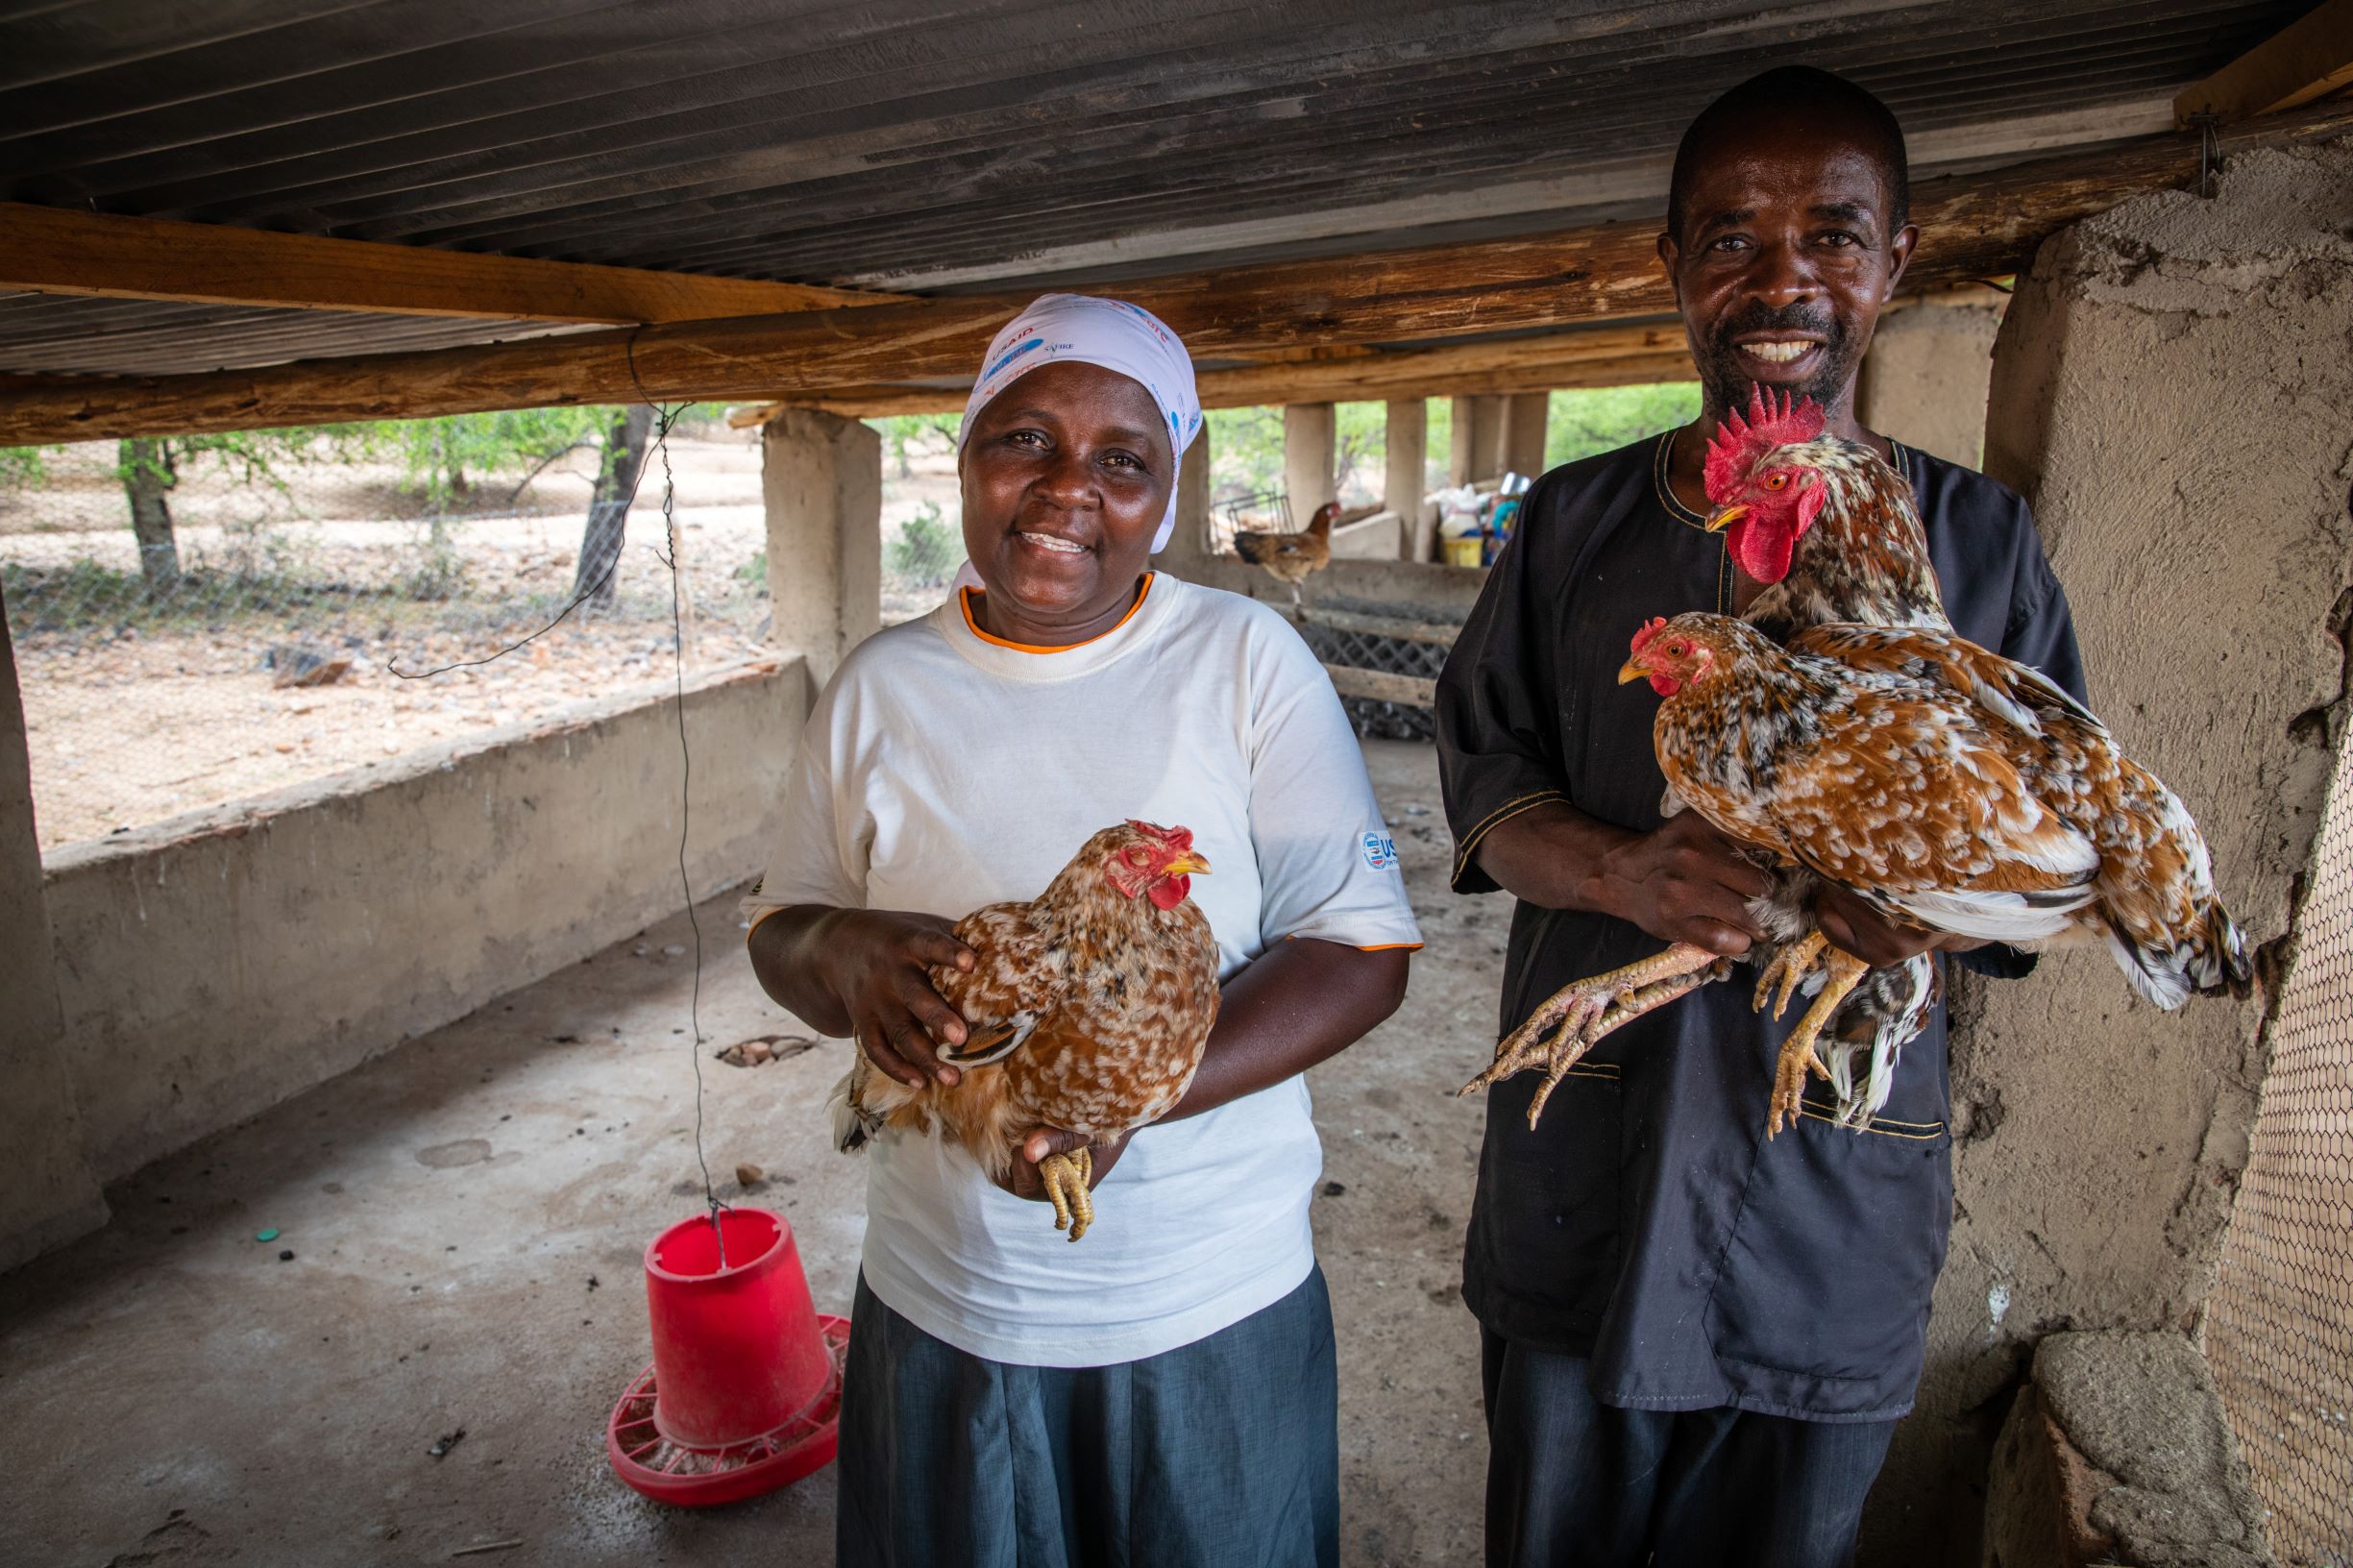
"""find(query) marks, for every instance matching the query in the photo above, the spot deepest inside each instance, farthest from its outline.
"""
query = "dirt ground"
(129, 727)
(468, 1215)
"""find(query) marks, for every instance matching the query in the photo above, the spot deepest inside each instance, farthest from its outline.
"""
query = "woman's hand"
(1021, 1178)
(865, 972)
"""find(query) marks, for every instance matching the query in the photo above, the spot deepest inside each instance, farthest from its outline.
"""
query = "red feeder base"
(695, 1478)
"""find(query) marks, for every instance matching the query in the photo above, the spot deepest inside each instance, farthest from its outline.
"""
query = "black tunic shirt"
(1646, 1223)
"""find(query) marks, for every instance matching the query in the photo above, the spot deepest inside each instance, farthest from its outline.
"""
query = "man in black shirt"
(1696, 1343)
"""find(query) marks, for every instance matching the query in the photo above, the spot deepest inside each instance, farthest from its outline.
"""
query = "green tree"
(150, 468)
(908, 433)
(1246, 452)
(1603, 419)
(927, 548)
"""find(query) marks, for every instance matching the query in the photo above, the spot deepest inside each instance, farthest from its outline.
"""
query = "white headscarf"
(1112, 334)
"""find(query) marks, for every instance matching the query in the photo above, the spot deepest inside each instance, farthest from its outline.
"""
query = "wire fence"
(200, 635)
(2279, 1323)
(1402, 647)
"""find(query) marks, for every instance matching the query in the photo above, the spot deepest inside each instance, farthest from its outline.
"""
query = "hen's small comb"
(1650, 629)
(1739, 443)
(1176, 837)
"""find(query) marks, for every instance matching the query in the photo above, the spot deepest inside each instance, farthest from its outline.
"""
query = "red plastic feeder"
(744, 1391)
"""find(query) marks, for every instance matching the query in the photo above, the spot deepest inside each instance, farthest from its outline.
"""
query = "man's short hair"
(1815, 93)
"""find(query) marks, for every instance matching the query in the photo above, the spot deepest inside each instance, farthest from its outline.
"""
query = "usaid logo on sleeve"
(1380, 851)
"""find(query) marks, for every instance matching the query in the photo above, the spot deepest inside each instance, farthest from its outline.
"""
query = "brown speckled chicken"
(1088, 1011)
(1949, 788)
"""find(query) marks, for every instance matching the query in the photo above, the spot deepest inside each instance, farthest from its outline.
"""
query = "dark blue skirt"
(1221, 1454)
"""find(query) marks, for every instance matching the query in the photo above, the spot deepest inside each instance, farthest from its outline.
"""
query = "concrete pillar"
(1925, 381)
(1477, 439)
(1406, 451)
(1521, 444)
(2157, 396)
(1189, 546)
(47, 1192)
(1311, 451)
(821, 484)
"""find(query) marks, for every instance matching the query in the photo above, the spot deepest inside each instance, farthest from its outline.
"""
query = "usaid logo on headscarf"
(1380, 851)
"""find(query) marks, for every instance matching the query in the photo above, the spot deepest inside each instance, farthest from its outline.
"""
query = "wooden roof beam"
(1597, 356)
(2310, 59)
(1974, 226)
(54, 251)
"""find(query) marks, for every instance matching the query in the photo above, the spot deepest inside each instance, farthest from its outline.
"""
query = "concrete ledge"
(1434, 591)
(214, 964)
(2119, 1452)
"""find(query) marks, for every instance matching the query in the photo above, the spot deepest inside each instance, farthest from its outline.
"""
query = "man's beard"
(1724, 371)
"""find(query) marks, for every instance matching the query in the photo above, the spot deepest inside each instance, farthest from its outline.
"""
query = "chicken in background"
(1088, 1013)
(1292, 557)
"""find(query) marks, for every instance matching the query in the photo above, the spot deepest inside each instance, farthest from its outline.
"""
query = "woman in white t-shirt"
(1162, 1395)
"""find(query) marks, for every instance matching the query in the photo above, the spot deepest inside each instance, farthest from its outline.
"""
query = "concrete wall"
(1925, 381)
(2171, 391)
(214, 964)
(1406, 451)
(47, 1191)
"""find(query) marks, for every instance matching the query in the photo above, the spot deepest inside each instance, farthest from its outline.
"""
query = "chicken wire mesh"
(2279, 1323)
(247, 635)
(1356, 647)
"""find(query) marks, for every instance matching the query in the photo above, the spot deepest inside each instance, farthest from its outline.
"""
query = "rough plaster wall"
(2170, 392)
(1311, 448)
(214, 965)
(47, 1193)
(1925, 377)
(820, 484)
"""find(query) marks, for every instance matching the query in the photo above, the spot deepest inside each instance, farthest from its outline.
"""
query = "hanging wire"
(664, 416)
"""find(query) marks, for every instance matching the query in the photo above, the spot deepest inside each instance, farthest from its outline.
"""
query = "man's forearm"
(1556, 857)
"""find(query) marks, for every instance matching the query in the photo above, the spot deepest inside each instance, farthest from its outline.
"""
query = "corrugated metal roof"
(966, 142)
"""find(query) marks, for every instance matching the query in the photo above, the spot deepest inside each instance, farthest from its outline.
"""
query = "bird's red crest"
(1650, 629)
(1175, 838)
(1739, 443)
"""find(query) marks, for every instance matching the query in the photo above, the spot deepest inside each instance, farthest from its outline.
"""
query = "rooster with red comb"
(1832, 531)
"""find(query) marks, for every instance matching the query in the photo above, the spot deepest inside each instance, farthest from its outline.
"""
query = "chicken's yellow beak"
(1726, 518)
(1188, 864)
(1633, 670)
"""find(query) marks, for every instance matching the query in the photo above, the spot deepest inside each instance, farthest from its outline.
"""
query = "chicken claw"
(1789, 966)
(1798, 1051)
(1067, 1178)
(1580, 1014)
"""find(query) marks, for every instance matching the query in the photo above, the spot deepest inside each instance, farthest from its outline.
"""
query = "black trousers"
(1576, 1483)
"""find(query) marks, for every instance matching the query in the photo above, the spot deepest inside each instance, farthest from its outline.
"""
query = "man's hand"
(1022, 1180)
(1856, 926)
(875, 963)
(1684, 881)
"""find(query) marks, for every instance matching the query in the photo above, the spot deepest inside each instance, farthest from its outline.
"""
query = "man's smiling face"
(1784, 256)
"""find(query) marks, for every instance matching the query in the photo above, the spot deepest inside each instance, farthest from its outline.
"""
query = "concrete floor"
(467, 1215)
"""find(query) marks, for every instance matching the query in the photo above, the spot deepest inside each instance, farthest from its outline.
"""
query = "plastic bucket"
(738, 1353)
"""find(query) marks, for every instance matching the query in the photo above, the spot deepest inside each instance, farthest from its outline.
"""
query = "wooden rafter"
(54, 251)
(1599, 357)
(2310, 59)
(1974, 226)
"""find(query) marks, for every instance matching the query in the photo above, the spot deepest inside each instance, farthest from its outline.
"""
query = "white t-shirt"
(944, 769)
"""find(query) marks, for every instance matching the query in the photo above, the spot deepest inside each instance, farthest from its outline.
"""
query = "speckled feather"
(1099, 1001)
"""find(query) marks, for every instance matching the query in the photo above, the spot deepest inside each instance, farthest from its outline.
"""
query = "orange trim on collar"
(964, 602)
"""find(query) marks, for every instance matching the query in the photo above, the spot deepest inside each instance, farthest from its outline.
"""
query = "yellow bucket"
(1463, 552)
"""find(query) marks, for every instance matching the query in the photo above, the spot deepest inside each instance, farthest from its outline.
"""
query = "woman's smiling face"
(1066, 474)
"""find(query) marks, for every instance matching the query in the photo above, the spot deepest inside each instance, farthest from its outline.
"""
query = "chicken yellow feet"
(1581, 1013)
(1067, 1178)
(1846, 972)
(1789, 966)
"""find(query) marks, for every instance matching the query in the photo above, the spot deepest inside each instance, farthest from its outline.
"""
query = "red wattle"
(1170, 890)
(1664, 684)
(1763, 554)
